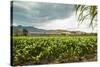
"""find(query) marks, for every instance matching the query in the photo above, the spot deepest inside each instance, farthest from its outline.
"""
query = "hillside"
(34, 30)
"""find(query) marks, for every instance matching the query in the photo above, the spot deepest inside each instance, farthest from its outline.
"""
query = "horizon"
(55, 29)
(48, 16)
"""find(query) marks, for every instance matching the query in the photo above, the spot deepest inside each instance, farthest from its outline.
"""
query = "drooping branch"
(86, 12)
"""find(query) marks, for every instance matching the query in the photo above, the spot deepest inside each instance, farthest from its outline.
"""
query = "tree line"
(21, 32)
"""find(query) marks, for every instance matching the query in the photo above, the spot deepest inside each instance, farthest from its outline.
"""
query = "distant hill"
(29, 28)
(34, 30)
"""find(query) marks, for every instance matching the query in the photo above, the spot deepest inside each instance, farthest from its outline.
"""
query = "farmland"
(53, 49)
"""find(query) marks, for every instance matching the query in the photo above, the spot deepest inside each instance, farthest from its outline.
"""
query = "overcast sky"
(47, 16)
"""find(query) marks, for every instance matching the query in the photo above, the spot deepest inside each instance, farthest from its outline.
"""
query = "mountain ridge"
(34, 30)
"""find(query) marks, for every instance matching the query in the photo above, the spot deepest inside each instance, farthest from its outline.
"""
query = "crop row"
(45, 50)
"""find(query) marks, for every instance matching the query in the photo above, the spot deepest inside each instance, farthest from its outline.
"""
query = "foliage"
(25, 32)
(45, 50)
(87, 12)
(17, 32)
(21, 32)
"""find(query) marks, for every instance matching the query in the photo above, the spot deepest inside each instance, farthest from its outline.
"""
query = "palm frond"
(86, 12)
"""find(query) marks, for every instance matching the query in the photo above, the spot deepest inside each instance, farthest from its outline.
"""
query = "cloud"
(70, 23)
(47, 16)
(66, 23)
(39, 13)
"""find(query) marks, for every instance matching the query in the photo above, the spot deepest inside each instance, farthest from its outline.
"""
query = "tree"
(25, 32)
(18, 32)
(87, 12)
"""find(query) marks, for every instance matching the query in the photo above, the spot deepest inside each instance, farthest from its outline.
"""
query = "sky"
(49, 16)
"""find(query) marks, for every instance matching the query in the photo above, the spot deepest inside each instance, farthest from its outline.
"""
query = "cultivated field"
(53, 49)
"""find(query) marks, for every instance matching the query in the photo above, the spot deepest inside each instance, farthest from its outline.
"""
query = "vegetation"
(25, 32)
(58, 49)
(87, 12)
(18, 32)
(21, 32)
